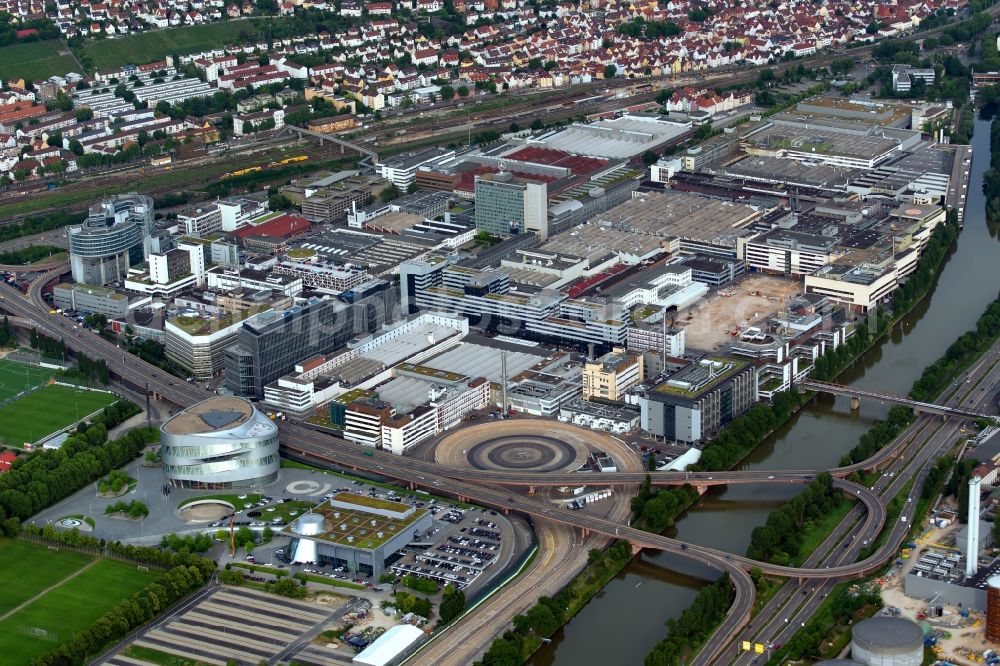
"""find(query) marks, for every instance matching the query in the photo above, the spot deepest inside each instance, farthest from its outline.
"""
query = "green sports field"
(143, 47)
(70, 607)
(23, 578)
(37, 60)
(16, 377)
(47, 410)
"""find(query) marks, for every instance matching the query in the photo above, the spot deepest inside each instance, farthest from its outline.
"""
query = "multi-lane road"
(489, 488)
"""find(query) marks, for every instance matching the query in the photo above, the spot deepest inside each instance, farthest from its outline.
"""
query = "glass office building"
(268, 346)
(222, 442)
(113, 238)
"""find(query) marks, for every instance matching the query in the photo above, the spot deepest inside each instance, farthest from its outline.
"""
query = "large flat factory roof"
(477, 360)
(679, 214)
(821, 139)
(594, 242)
(402, 347)
(615, 138)
(381, 254)
(776, 170)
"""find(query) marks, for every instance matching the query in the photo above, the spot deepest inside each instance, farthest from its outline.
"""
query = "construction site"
(725, 314)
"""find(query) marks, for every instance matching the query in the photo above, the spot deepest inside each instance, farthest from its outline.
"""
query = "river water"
(623, 623)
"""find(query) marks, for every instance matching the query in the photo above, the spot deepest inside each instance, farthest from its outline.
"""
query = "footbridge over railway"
(856, 394)
(368, 153)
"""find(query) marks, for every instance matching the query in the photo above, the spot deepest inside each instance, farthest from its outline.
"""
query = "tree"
(649, 158)
(84, 113)
(452, 604)
(611, 71)
(463, 91)
(279, 201)
(389, 193)
(447, 92)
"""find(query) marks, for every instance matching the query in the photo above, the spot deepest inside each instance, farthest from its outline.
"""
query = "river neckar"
(623, 623)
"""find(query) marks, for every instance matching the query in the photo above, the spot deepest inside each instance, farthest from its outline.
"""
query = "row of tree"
(195, 543)
(47, 346)
(694, 625)
(549, 613)
(962, 352)
(7, 338)
(991, 179)
(28, 255)
(931, 259)
(48, 476)
(742, 435)
(96, 371)
(452, 604)
(879, 435)
(833, 362)
(656, 511)
(187, 573)
(779, 540)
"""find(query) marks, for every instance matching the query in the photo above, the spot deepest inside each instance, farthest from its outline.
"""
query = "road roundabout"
(528, 445)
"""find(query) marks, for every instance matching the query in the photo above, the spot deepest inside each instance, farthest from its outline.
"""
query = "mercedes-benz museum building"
(222, 442)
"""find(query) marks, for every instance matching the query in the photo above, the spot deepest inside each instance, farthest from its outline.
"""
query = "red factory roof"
(284, 226)
(468, 181)
(578, 164)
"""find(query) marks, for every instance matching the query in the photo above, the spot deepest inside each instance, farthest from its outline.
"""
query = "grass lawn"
(47, 410)
(154, 45)
(36, 60)
(16, 377)
(333, 582)
(160, 657)
(231, 498)
(287, 511)
(814, 533)
(69, 608)
(24, 578)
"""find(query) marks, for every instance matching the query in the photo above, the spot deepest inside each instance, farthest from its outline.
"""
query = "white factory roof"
(614, 138)
(475, 360)
(403, 347)
(401, 391)
(389, 645)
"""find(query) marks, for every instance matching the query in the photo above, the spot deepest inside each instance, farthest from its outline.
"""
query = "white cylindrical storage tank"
(887, 641)
(839, 662)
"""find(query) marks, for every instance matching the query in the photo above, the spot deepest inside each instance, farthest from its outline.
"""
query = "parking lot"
(459, 549)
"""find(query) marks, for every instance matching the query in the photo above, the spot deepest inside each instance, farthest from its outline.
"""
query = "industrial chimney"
(972, 541)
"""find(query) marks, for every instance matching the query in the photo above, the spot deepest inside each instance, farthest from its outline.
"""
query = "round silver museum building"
(222, 442)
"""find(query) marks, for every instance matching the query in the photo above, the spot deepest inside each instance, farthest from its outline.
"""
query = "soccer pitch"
(50, 408)
(16, 377)
(76, 590)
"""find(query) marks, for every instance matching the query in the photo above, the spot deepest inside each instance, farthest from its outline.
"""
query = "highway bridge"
(856, 394)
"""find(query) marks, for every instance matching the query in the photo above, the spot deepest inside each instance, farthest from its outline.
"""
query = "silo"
(887, 641)
(993, 609)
